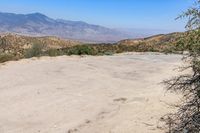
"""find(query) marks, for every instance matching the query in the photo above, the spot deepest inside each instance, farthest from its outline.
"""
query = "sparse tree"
(187, 118)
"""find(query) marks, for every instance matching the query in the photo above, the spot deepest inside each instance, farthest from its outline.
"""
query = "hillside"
(161, 42)
(13, 46)
(13, 43)
(38, 24)
(152, 40)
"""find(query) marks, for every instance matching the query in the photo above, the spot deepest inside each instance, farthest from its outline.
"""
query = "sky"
(139, 14)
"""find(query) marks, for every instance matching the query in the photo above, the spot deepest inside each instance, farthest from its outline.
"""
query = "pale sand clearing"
(108, 94)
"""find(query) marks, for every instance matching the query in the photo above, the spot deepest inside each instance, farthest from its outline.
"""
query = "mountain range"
(37, 24)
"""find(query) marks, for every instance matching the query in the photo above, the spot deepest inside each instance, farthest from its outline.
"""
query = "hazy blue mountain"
(38, 24)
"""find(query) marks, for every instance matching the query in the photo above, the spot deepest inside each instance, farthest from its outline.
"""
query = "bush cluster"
(6, 57)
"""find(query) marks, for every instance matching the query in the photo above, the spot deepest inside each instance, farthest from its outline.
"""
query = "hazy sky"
(146, 14)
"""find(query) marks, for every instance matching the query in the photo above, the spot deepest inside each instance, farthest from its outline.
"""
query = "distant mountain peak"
(70, 21)
(37, 14)
(38, 24)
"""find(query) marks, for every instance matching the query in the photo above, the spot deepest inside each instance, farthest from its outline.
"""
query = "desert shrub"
(6, 57)
(3, 43)
(101, 49)
(54, 52)
(168, 51)
(108, 53)
(81, 50)
(34, 51)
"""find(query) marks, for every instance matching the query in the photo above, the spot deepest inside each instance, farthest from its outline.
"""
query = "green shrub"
(53, 52)
(6, 57)
(108, 53)
(81, 50)
(34, 51)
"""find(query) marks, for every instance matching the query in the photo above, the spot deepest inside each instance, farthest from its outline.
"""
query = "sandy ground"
(109, 94)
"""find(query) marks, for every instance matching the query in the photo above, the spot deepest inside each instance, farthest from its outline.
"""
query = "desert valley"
(52, 84)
